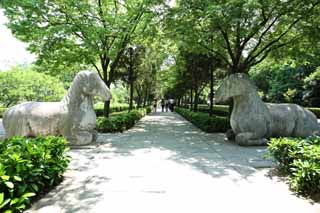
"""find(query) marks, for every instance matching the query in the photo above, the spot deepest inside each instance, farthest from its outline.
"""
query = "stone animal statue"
(73, 117)
(253, 121)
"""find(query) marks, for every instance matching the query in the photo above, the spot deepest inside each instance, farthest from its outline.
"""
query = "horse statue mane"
(73, 117)
(253, 121)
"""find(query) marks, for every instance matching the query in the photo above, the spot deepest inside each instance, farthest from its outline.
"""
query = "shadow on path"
(165, 164)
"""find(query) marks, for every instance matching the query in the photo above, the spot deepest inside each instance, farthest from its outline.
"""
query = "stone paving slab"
(165, 164)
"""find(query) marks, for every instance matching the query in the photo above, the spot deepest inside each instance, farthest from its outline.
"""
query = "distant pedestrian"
(171, 104)
(162, 104)
(155, 105)
(167, 105)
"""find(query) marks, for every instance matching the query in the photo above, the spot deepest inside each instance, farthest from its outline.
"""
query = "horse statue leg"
(250, 139)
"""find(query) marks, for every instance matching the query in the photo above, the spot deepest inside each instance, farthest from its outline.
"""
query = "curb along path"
(165, 164)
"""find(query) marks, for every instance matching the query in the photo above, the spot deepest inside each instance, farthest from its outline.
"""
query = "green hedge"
(204, 121)
(121, 121)
(2, 110)
(29, 167)
(219, 110)
(113, 108)
(316, 111)
(300, 158)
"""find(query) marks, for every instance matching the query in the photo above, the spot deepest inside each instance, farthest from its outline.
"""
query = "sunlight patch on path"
(165, 164)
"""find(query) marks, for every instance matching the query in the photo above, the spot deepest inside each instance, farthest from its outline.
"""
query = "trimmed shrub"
(149, 109)
(113, 108)
(316, 111)
(219, 110)
(300, 158)
(2, 110)
(204, 121)
(29, 167)
(120, 121)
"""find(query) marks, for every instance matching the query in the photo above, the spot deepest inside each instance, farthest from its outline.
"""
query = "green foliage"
(2, 110)
(316, 111)
(28, 168)
(25, 85)
(300, 158)
(312, 85)
(280, 83)
(149, 109)
(120, 121)
(315, 76)
(98, 108)
(65, 33)
(227, 30)
(204, 121)
(119, 94)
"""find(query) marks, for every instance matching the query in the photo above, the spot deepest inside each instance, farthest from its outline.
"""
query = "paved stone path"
(164, 164)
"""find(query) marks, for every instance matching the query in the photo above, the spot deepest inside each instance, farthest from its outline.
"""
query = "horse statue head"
(234, 85)
(94, 86)
(88, 84)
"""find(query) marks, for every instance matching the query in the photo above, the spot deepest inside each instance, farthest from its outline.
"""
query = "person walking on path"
(167, 105)
(171, 104)
(162, 104)
(155, 105)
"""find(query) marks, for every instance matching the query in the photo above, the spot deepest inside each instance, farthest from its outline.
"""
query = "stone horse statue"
(73, 117)
(253, 121)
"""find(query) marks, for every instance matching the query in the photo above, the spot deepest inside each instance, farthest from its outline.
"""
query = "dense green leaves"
(26, 85)
(122, 121)
(241, 33)
(29, 167)
(300, 158)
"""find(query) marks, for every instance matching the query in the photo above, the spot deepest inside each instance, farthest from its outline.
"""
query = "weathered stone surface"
(253, 121)
(72, 117)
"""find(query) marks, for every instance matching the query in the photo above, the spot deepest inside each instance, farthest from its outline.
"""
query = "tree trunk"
(196, 100)
(105, 63)
(131, 79)
(191, 99)
(131, 96)
(106, 109)
(145, 99)
(211, 91)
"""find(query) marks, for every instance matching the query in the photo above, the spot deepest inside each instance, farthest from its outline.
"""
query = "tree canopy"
(187, 46)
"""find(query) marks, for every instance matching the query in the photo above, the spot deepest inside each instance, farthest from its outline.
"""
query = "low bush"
(300, 159)
(204, 121)
(120, 121)
(113, 108)
(2, 110)
(149, 109)
(29, 167)
(219, 110)
(316, 111)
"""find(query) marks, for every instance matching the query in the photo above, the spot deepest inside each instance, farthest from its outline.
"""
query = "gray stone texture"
(253, 121)
(72, 117)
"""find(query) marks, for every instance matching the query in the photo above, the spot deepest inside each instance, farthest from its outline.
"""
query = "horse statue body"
(253, 121)
(73, 117)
